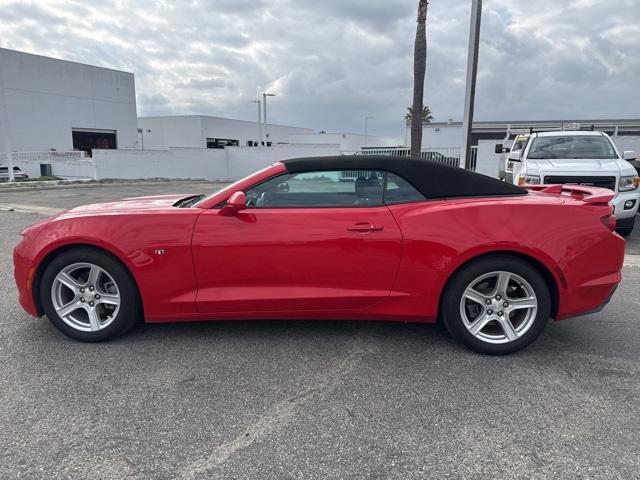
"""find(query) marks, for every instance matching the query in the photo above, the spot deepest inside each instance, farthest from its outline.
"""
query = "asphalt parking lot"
(307, 400)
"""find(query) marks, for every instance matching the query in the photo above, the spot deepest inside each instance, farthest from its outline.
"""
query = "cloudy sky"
(332, 62)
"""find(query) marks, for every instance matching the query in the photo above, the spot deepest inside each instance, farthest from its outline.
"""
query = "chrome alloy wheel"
(498, 307)
(85, 297)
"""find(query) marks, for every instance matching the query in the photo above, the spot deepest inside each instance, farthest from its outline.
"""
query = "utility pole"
(4, 129)
(472, 70)
(264, 111)
(259, 120)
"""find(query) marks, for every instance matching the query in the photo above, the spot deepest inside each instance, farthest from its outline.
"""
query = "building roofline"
(602, 121)
(223, 118)
(66, 61)
(338, 133)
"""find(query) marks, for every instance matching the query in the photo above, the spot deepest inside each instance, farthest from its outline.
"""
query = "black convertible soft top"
(434, 180)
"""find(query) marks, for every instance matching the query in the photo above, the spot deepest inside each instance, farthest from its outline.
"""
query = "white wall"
(192, 163)
(347, 141)
(627, 143)
(47, 98)
(68, 165)
(245, 160)
(215, 127)
(160, 133)
(193, 131)
(437, 136)
(228, 164)
(487, 161)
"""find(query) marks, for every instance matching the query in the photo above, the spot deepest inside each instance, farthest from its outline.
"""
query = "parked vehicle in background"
(407, 240)
(581, 158)
(635, 163)
(505, 170)
(17, 173)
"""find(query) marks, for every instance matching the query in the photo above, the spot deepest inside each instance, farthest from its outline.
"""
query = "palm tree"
(419, 69)
(426, 114)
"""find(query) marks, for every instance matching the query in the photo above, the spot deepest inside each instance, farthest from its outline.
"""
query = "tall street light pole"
(366, 129)
(264, 112)
(472, 70)
(259, 120)
(4, 129)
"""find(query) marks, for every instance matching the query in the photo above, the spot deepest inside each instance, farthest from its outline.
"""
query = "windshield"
(572, 147)
(229, 188)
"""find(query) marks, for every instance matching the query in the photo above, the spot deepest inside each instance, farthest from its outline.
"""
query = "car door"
(308, 241)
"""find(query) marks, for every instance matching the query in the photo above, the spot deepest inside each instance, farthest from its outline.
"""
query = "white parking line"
(632, 260)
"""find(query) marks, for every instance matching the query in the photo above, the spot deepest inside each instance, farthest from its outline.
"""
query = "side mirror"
(630, 155)
(498, 148)
(237, 202)
(515, 156)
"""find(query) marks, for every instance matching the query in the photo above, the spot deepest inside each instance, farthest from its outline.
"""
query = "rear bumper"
(593, 278)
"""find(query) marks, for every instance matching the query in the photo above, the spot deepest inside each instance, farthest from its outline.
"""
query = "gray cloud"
(332, 62)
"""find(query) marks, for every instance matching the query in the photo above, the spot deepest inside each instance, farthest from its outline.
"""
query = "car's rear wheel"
(496, 305)
(88, 295)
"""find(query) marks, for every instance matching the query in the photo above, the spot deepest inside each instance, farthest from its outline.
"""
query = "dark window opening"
(339, 188)
(318, 189)
(222, 142)
(87, 141)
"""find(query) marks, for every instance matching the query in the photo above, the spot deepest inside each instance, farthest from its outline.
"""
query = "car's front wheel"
(88, 295)
(496, 305)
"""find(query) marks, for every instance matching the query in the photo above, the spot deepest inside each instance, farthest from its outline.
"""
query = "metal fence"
(42, 157)
(446, 155)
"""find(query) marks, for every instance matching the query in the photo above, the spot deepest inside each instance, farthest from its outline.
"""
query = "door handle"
(365, 227)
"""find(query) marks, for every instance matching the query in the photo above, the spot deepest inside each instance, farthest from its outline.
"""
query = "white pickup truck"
(581, 158)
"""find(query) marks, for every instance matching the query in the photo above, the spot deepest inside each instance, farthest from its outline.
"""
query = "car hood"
(576, 167)
(133, 204)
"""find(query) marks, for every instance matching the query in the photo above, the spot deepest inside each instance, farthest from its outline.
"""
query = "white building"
(61, 105)
(349, 142)
(625, 132)
(202, 131)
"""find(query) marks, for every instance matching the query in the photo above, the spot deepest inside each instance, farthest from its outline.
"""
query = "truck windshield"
(572, 147)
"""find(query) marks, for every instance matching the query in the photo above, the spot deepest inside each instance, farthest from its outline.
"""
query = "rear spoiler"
(592, 195)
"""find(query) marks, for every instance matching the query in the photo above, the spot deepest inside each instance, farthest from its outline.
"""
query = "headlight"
(628, 183)
(529, 180)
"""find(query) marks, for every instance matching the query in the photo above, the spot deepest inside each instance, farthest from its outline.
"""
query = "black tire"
(129, 312)
(455, 289)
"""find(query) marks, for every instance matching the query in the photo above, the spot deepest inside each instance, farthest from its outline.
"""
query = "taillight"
(609, 221)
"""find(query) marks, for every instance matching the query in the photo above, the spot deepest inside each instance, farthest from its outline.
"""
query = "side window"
(347, 188)
(400, 191)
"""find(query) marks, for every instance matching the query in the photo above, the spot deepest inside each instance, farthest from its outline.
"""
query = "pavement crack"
(47, 211)
(283, 412)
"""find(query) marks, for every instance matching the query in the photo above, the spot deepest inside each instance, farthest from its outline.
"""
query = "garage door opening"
(87, 140)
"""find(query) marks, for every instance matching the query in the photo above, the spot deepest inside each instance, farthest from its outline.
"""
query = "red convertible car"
(363, 237)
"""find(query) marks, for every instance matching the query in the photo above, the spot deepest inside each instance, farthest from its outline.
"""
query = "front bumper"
(618, 204)
(24, 274)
